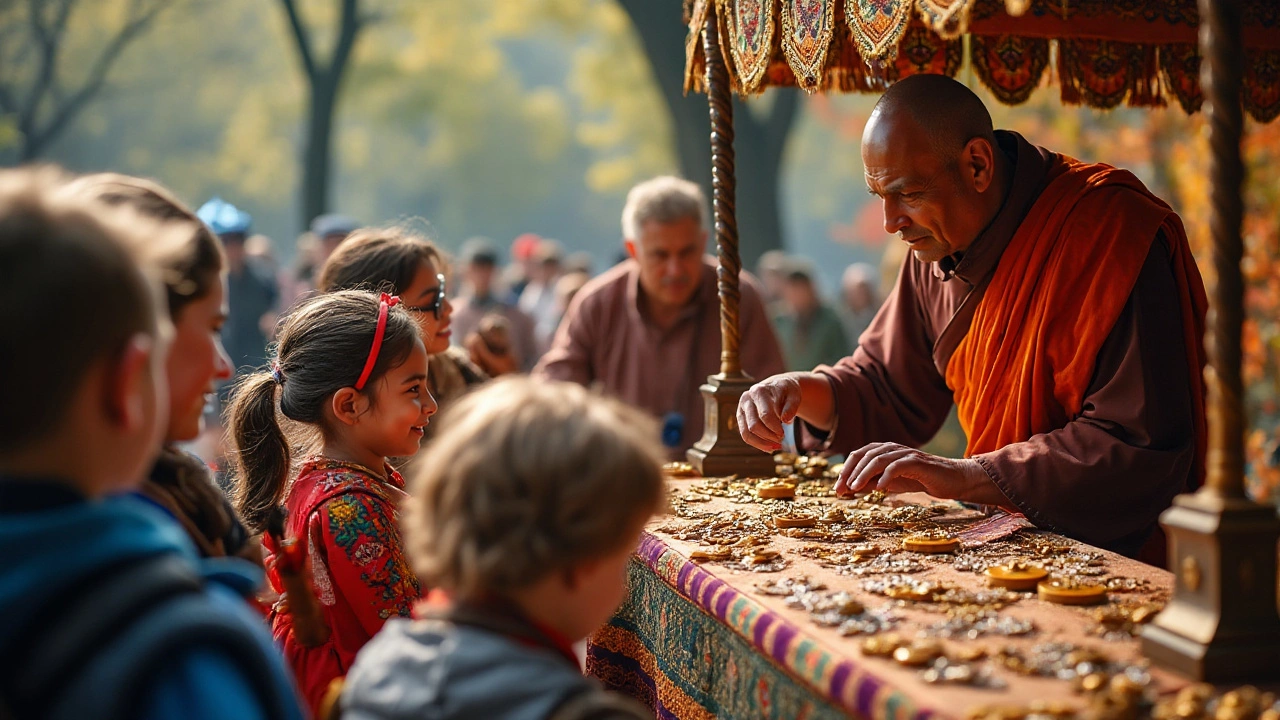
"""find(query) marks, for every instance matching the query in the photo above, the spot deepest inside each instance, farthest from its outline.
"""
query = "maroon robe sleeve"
(889, 390)
(1105, 477)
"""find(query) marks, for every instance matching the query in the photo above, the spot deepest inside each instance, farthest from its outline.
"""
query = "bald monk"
(1054, 302)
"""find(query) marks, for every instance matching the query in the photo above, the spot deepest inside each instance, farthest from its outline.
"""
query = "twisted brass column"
(1222, 622)
(1221, 73)
(722, 451)
(724, 189)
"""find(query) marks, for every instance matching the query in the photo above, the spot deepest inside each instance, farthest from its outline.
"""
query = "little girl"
(350, 366)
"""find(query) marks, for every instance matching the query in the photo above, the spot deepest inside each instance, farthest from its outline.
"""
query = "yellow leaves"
(255, 157)
(628, 127)
(545, 111)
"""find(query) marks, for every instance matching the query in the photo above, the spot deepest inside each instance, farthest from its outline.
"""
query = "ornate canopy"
(1101, 53)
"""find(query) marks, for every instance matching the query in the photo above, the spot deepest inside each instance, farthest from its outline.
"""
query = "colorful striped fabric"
(692, 646)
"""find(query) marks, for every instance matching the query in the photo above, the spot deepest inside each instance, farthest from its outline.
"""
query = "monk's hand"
(894, 468)
(765, 408)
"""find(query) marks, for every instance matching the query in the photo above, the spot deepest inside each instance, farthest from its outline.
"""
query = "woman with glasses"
(399, 261)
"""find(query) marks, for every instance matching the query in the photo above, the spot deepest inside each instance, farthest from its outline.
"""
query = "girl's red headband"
(385, 303)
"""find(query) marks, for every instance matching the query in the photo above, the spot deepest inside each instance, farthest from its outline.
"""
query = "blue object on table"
(672, 429)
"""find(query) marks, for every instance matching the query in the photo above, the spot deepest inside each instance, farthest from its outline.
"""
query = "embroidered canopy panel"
(1101, 53)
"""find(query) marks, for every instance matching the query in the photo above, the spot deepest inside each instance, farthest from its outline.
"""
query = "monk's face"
(932, 200)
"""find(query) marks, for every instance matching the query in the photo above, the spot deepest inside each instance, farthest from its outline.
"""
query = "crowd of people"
(511, 310)
(133, 585)
(309, 393)
(444, 566)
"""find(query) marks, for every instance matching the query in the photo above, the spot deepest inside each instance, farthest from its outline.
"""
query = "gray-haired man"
(648, 330)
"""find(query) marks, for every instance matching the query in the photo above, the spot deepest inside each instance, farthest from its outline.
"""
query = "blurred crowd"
(507, 301)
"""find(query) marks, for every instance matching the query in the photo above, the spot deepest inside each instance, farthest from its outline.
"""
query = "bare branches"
(349, 28)
(46, 108)
(301, 37)
(66, 110)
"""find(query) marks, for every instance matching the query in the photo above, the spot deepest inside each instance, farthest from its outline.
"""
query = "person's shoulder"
(608, 289)
(461, 359)
(207, 681)
(323, 482)
(474, 671)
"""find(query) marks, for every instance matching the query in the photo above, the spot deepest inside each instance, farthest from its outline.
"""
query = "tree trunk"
(760, 140)
(31, 148)
(316, 158)
(324, 81)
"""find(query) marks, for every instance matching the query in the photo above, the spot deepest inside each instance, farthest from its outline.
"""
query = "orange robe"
(1061, 283)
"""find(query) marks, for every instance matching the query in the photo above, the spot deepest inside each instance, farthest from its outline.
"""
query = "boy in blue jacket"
(105, 611)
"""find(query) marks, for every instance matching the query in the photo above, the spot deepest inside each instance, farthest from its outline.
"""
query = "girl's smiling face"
(425, 299)
(401, 410)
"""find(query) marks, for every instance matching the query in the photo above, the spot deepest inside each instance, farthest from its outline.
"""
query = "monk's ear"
(978, 164)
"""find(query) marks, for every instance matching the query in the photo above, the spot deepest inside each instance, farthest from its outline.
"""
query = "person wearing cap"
(251, 292)
(330, 230)
(499, 336)
(808, 328)
(648, 330)
(520, 272)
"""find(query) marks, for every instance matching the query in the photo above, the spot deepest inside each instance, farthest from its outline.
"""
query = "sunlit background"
(503, 117)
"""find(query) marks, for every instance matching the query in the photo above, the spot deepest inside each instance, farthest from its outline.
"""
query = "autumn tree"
(43, 86)
(324, 80)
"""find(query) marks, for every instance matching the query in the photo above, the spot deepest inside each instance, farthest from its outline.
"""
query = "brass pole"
(1221, 623)
(1220, 77)
(722, 451)
(724, 188)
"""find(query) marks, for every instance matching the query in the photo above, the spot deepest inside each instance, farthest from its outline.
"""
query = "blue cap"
(224, 218)
(333, 224)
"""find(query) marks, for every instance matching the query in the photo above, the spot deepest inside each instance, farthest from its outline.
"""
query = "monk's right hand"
(766, 407)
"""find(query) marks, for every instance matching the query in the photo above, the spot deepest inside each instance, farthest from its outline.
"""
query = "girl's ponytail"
(323, 346)
(261, 449)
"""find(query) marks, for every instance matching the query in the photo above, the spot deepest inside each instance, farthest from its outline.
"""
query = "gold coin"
(1061, 593)
(928, 544)
(776, 490)
(1015, 578)
(794, 521)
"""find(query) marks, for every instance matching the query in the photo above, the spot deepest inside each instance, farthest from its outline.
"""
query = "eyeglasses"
(436, 306)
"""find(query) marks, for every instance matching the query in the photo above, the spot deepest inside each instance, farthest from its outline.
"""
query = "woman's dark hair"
(189, 269)
(384, 259)
(323, 346)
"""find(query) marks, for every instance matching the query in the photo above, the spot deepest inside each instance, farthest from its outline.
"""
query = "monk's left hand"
(895, 468)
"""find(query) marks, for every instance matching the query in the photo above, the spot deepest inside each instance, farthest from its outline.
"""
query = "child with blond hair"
(525, 511)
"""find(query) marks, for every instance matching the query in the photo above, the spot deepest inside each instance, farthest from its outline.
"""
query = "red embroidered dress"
(347, 516)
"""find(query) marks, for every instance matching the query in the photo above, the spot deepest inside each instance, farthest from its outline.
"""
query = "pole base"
(1223, 623)
(722, 451)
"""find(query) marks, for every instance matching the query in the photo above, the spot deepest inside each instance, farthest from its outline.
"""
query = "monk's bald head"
(934, 108)
(930, 154)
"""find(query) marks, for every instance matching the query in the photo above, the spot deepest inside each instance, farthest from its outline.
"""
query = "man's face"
(799, 296)
(480, 277)
(233, 244)
(670, 258)
(928, 202)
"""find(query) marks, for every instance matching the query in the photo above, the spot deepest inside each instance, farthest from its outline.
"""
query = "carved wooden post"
(722, 451)
(1222, 622)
